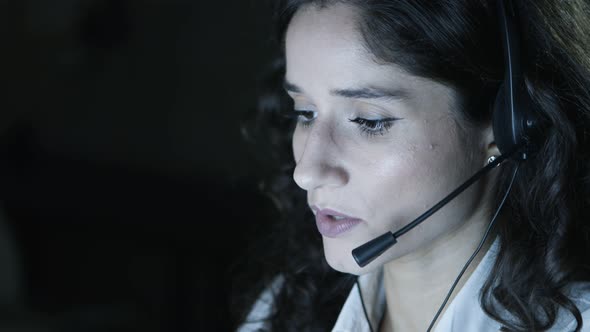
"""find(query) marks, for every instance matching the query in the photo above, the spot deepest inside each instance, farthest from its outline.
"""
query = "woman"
(393, 101)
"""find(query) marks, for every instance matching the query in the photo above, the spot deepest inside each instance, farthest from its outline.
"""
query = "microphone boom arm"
(367, 252)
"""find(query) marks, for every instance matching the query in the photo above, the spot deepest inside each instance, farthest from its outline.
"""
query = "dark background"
(126, 188)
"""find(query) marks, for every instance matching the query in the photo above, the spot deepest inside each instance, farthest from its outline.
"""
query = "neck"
(417, 283)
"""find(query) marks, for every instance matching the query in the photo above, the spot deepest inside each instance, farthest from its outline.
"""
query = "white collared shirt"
(464, 313)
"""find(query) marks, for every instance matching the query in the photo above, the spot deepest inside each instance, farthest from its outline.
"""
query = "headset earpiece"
(513, 119)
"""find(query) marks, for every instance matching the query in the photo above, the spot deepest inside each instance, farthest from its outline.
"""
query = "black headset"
(514, 122)
(516, 134)
(515, 126)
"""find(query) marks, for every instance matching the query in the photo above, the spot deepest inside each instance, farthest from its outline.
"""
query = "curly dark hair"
(544, 245)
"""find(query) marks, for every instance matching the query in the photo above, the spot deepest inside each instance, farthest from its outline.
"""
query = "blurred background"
(125, 186)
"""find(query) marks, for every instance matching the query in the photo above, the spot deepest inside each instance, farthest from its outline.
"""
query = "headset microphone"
(517, 135)
(366, 253)
(514, 125)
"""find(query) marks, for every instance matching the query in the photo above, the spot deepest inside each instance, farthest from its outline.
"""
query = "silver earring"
(491, 159)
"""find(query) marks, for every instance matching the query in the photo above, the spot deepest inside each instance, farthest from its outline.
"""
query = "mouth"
(334, 224)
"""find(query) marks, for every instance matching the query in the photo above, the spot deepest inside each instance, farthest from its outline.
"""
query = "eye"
(374, 127)
(305, 118)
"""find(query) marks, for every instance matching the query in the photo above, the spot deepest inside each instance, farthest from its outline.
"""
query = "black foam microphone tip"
(366, 253)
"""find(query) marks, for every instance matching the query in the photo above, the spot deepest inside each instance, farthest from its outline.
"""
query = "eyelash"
(368, 127)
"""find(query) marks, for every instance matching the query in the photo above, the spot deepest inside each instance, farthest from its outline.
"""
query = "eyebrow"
(358, 93)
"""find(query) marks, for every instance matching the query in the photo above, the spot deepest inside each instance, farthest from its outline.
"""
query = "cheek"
(407, 179)
(391, 181)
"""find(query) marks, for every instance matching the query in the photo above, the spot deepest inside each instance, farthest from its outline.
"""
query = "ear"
(490, 142)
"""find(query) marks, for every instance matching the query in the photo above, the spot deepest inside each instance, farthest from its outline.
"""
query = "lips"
(332, 223)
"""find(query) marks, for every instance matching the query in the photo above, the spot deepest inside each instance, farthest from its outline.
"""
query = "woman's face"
(384, 173)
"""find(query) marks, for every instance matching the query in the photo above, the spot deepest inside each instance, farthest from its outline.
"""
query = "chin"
(338, 255)
(340, 259)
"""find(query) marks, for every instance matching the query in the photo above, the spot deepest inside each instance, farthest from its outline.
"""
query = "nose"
(318, 160)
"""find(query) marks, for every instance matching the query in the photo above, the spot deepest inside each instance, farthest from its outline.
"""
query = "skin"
(392, 177)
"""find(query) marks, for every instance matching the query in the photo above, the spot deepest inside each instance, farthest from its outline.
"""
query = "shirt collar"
(464, 309)
(352, 318)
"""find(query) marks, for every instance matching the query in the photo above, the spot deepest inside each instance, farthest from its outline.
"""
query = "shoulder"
(579, 293)
(257, 319)
(571, 323)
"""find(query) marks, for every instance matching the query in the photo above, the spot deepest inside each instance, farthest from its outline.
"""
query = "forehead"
(324, 47)
(333, 26)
